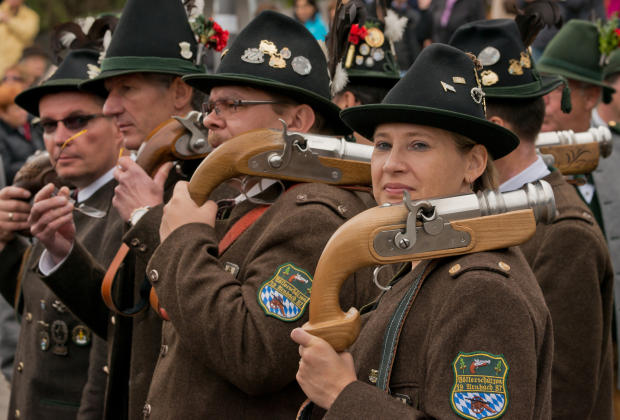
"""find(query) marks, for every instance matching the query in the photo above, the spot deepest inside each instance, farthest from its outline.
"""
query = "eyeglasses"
(73, 122)
(229, 106)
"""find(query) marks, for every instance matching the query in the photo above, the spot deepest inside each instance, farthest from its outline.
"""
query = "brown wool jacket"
(487, 304)
(47, 385)
(224, 354)
(133, 343)
(572, 264)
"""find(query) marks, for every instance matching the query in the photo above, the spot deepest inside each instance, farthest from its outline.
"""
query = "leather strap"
(395, 326)
(20, 276)
(231, 236)
(240, 226)
(108, 284)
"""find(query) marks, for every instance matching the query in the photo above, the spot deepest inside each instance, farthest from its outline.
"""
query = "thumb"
(302, 337)
(162, 174)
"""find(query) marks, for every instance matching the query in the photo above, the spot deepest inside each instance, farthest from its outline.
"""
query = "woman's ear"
(301, 118)
(477, 163)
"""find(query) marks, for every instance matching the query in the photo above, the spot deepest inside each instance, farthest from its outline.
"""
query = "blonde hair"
(489, 178)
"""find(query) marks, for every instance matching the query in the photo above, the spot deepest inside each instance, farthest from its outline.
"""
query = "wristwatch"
(137, 214)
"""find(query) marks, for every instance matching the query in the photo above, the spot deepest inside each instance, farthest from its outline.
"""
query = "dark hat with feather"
(153, 36)
(361, 50)
(77, 52)
(277, 54)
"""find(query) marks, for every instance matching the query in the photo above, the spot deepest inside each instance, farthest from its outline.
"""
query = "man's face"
(583, 100)
(138, 106)
(230, 122)
(13, 115)
(88, 156)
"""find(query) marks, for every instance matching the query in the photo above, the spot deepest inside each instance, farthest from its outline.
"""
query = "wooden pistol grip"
(574, 159)
(353, 172)
(351, 248)
(159, 146)
(230, 159)
(345, 252)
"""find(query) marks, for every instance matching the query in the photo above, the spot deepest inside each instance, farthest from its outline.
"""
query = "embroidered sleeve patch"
(479, 390)
(286, 295)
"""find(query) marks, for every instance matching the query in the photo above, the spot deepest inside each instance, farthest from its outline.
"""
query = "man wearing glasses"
(152, 47)
(226, 350)
(52, 359)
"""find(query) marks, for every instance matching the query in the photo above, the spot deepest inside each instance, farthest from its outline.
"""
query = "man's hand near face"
(51, 221)
(182, 210)
(136, 189)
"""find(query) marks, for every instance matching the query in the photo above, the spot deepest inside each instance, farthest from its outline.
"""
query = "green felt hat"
(70, 74)
(277, 54)
(574, 53)
(508, 69)
(441, 89)
(613, 65)
(152, 36)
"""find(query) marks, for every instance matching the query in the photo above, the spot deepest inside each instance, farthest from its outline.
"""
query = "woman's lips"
(395, 188)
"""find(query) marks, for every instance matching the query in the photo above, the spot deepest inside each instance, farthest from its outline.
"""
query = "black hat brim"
(30, 98)
(365, 119)
(329, 110)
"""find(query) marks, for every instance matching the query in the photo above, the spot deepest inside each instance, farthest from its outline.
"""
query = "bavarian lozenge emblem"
(286, 295)
(479, 390)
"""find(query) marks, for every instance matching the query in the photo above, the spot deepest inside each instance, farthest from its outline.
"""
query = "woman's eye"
(382, 145)
(418, 145)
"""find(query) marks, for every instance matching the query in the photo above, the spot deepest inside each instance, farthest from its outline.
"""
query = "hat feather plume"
(534, 16)
(394, 26)
(70, 36)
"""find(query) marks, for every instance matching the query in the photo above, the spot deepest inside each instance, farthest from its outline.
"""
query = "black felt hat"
(441, 89)
(72, 71)
(152, 36)
(277, 54)
(508, 70)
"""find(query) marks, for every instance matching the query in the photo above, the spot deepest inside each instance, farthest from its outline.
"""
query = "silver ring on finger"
(10, 216)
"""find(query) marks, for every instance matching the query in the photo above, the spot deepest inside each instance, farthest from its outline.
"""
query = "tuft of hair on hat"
(394, 26)
(71, 36)
(348, 13)
(534, 16)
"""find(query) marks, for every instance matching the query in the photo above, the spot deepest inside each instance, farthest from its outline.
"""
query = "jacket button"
(454, 269)
(113, 320)
(164, 350)
(135, 242)
(302, 197)
(106, 369)
(18, 414)
(146, 411)
(153, 276)
(28, 317)
(504, 266)
(20, 366)
(142, 248)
